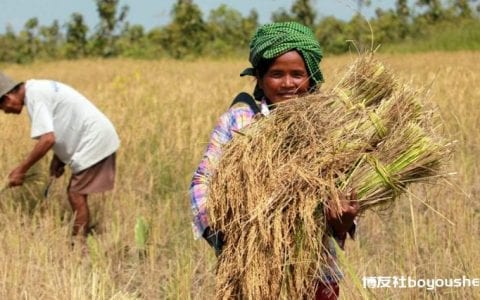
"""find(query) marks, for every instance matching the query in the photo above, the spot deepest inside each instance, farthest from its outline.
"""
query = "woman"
(285, 59)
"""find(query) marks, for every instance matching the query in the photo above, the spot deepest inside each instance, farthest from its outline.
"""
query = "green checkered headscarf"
(274, 39)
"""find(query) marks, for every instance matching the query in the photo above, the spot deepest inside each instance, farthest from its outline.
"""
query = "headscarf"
(274, 39)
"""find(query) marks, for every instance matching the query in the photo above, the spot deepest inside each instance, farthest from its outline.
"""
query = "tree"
(304, 12)
(359, 33)
(463, 8)
(51, 39)
(28, 41)
(226, 30)
(281, 15)
(388, 27)
(250, 24)
(105, 36)
(402, 9)
(402, 13)
(76, 37)
(331, 34)
(156, 38)
(434, 10)
(133, 41)
(186, 36)
(361, 4)
(9, 46)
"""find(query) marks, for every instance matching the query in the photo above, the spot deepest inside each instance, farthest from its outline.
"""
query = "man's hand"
(45, 143)
(16, 177)
(57, 167)
(343, 220)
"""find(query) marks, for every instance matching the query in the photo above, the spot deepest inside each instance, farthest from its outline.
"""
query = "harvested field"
(164, 112)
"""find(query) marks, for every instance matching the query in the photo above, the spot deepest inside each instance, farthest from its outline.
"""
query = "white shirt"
(83, 134)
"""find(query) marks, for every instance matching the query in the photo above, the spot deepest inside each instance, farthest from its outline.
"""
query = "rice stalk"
(370, 135)
(142, 230)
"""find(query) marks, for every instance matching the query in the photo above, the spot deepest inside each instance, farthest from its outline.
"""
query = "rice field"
(164, 112)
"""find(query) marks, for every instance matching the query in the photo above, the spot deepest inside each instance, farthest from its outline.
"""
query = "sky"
(153, 13)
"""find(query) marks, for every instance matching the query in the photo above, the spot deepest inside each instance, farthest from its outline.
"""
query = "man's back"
(83, 134)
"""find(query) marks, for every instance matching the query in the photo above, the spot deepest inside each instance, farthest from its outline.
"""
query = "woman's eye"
(276, 74)
(299, 75)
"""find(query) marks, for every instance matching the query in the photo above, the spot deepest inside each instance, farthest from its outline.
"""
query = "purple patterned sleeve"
(233, 119)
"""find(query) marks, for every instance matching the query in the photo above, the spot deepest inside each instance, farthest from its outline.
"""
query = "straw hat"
(6, 84)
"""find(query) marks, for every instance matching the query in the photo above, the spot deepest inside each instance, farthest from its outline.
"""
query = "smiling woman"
(272, 41)
(285, 77)
(285, 61)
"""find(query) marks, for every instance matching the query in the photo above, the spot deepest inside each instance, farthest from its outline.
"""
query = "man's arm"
(44, 144)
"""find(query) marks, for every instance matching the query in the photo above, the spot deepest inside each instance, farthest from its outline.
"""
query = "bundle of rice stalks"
(367, 81)
(274, 180)
(29, 193)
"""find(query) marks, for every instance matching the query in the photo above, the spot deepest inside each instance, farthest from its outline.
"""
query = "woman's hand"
(214, 238)
(342, 221)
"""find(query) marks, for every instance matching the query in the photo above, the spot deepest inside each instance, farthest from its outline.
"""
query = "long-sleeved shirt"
(233, 120)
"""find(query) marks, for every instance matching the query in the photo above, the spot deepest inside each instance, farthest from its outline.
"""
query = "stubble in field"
(164, 112)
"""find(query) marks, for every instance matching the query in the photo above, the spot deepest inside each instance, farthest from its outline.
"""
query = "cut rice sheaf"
(369, 134)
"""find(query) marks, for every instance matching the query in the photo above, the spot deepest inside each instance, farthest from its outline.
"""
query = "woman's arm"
(232, 120)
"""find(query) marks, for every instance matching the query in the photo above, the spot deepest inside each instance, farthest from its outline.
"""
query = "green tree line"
(226, 32)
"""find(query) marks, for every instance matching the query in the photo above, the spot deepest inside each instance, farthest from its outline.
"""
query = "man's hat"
(6, 84)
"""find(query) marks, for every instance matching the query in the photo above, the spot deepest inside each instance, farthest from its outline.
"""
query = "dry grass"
(371, 134)
(164, 112)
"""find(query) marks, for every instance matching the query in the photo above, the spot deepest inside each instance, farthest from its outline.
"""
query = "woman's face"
(286, 78)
